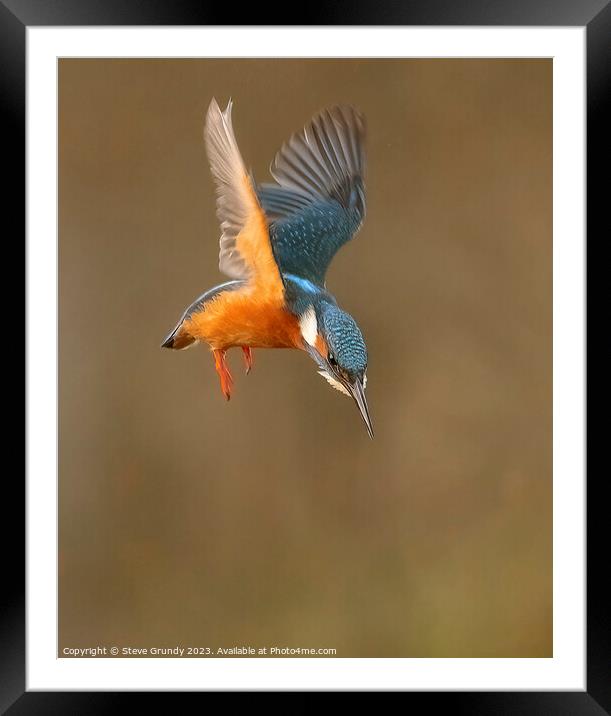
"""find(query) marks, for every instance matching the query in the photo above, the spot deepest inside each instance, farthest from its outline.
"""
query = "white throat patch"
(308, 325)
(333, 382)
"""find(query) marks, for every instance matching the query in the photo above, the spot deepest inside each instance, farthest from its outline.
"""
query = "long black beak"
(356, 389)
(358, 393)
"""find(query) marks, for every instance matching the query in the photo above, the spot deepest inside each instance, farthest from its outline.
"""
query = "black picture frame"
(16, 16)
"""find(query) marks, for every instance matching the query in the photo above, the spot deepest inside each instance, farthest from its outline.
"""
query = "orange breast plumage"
(245, 318)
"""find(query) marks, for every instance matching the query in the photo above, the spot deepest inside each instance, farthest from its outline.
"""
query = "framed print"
(422, 528)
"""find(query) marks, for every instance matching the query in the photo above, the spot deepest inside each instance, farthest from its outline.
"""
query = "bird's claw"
(248, 359)
(224, 374)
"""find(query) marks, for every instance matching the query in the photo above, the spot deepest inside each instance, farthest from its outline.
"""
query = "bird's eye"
(332, 360)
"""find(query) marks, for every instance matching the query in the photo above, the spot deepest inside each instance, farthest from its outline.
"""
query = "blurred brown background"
(274, 520)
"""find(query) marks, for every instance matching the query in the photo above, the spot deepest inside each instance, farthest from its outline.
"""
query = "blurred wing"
(318, 203)
(245, 248)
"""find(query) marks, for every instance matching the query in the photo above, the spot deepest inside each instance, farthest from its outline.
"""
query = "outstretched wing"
(245, 248)
(318, 203)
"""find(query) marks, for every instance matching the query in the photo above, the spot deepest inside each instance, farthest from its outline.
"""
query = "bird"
(277, 241)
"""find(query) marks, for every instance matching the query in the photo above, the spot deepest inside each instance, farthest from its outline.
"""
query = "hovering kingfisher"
(276, 244)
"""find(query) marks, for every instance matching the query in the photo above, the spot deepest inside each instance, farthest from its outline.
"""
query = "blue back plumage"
(305, 242)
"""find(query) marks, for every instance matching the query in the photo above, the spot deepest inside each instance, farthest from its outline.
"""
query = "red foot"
(221, 368)
(248, 359)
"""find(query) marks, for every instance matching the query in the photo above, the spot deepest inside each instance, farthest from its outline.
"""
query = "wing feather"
(245, 248)
(318, 202)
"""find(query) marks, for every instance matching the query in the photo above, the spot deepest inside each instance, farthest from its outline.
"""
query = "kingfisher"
(277, 241)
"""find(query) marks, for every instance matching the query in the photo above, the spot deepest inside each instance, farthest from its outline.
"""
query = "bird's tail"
(178, 339)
